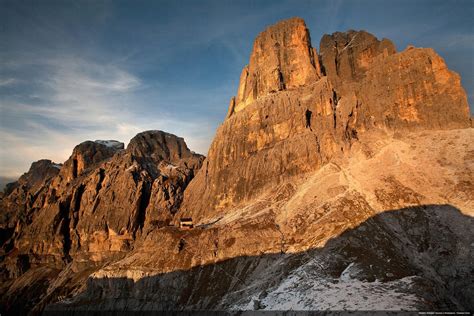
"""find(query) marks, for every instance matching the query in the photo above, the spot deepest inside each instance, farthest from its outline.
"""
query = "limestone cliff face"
(21, 195)
(99, 203)
(291, 114)
(84, 156)
(282, 58)
(346, 56)
(41, 171)
(413, 89)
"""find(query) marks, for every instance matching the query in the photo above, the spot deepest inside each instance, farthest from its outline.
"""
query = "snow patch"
(57, 166)
(346, 274)
(306, 289)
(349, 272)
(111, 143)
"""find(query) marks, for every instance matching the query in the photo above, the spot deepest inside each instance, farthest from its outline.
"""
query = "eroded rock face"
(413, 89)
(282, 58)
(101, 202)
(346, 56)
(20, 196)
(291, 123)
(40, 172)
(85, 155)
(271, 140)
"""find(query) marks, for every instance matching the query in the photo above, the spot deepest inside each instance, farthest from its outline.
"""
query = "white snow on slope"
(111, 143)
(304, 289)
(346, 274)
(329, 294)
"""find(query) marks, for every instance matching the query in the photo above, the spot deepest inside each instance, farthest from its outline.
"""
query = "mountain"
(339, 179)
(4, 181)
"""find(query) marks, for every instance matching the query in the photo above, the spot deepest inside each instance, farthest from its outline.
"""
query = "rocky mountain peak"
(87, 154)
(39, 172)
(348, 55)
(282, 58)
(159, 145)
(290, 118)
(313, 149)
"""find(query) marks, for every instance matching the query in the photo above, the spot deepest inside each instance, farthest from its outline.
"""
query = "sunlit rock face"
(84, 156)
(98, 204)
(346, 56)
(321, 160)
(282, 58)
(295, 111)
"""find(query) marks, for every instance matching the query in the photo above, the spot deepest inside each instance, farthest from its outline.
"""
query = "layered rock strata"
(96, 206)
(316, 106)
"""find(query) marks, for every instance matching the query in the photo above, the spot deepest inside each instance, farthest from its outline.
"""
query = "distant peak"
(159, 146)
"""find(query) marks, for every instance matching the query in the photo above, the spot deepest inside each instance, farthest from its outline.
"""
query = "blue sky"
(77, 70)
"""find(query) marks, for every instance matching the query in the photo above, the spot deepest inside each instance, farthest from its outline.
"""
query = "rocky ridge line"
(296, 110)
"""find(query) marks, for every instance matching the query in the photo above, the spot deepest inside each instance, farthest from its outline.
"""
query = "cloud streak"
(7, 81)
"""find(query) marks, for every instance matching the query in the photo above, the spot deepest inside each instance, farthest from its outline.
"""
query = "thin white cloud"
(7, 81)
(80, 92)
(19, 151)
(91, 78)
(459, 40)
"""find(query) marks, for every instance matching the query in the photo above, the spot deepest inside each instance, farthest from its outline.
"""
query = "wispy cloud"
(75, 74)
(7, 81)
(459, 40)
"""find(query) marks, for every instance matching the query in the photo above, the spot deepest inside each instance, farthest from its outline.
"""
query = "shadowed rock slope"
(314, 151)
(416, 258)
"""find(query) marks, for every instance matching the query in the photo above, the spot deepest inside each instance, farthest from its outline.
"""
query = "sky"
(79, 70)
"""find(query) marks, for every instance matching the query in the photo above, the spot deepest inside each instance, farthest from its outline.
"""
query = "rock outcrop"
(282, 58)
(40, 172)
(84, 156)
(346, 56)
(20, 196)
(291, 123)
(100, 202)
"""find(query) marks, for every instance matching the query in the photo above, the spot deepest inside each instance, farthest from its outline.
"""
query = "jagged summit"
(39, 172)
(282, 58)
(86, 155)
(348, 55)
(290, 118)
